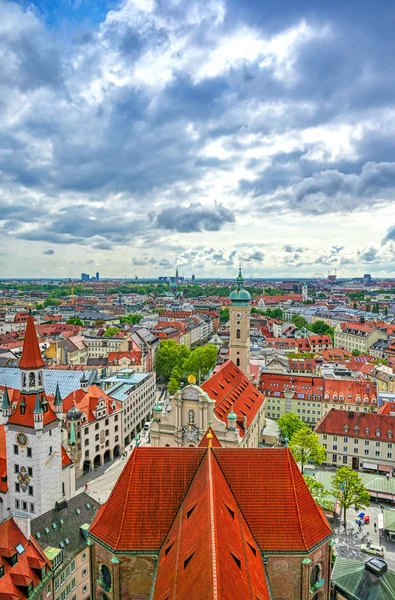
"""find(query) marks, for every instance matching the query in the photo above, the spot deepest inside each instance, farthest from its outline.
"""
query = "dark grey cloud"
(49, 252)
(195, 218)
(143, 260)
(256, 256)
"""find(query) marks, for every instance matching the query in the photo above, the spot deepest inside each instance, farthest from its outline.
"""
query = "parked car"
(372, 549)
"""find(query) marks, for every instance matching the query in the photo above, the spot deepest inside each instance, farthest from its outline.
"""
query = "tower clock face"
(21, 439)
(238, 315)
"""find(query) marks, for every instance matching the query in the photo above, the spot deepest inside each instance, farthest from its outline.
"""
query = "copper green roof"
(389, 520)
(6, 400)
(352, 577)
(240, 296)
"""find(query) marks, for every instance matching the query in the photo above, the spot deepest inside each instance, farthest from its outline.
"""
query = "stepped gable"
(274, 498)
(146, 498)
(209, 551)
(215, 443)
(231, 390)
(31, 354)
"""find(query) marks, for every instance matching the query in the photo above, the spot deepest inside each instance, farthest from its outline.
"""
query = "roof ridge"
(212, 525)
(288, 455)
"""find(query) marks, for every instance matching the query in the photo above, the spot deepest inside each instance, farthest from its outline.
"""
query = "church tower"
(33, 436)
(239, 316)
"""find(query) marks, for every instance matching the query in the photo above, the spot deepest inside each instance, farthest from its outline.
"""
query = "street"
(101, 481)
(347, 542)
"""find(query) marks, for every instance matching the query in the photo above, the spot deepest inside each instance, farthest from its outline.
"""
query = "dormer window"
(389, 433)
(356, 429)
(377, 432)
(367, 430)
(345, 428)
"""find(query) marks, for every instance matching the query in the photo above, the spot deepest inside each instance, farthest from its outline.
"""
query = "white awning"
(369, 466)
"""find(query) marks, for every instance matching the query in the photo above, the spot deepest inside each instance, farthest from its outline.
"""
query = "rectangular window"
(366, 452)
(356, 441)
(366, 442)
(84, 589)
(355, 450)
(334, 457)
(345, 449)
(17, 504)
(16, 468)
(73, 583)
(16, 449)
(24, 505)
(29, 452)
(345, 460)
(50, 450)
(334, 447)
(30, 471)
(389, 454)
(17, 487)
(73, 566)
(30, 490)
(377, 453)
(31, 507)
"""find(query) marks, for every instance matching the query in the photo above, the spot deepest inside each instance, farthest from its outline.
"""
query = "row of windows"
(28, 451)
(24, 505)
(29, 470)
(356, 451)
(18, 489)
(356, 440)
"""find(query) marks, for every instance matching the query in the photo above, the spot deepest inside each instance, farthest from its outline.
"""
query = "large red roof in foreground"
(31, 354)
(266, 483)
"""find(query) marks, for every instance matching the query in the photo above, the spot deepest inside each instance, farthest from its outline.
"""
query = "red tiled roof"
(27, 419)
(230, 389)
(146, 497)
(210, 528)
(31, 355)
(274, 498)
(133, 356)
(335, 354)
(215, 443)
(373, 426)
(268, 489)
(86, 401)
(22, 572)
(66, 460)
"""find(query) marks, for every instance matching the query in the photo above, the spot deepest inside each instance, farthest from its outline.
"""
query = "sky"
(142, 135)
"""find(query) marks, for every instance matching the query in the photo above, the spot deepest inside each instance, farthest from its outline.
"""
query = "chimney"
(22, 520)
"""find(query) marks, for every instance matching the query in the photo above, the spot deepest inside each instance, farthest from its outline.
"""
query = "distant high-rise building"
(193, 278)
(367, 279)
(176, 276)
(97, 276)
(84, 276)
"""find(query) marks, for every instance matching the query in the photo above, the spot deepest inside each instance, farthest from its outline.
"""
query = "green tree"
(290, 424)
(200, 361)
(367, 308)
(111, 331)
(170, 356)
(306, 448)
(355, 352)
(133, 319)
(319, 492)
(173, 386)
(299, 321)
(224, 315)
(386, 310)
(376, 308)
(348, 487)
(74, 321)
(321, 328)
(354, 305)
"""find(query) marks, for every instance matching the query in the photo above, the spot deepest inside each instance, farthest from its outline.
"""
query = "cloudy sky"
(142, 134)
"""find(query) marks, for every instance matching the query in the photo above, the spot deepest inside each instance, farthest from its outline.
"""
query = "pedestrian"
(86, 487)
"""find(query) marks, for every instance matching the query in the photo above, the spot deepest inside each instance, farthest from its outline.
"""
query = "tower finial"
(210, 439)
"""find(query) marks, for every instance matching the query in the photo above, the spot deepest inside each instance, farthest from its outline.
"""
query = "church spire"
(31, 355)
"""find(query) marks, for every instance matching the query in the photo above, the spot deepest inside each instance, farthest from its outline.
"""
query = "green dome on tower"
(240, 296)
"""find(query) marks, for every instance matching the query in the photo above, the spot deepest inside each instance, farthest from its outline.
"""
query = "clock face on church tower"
(238, 315)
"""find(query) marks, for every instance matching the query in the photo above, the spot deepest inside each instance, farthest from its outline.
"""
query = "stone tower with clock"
(33, 436)
(239, 316)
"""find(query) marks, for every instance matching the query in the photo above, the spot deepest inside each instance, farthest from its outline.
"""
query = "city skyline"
(139, 135)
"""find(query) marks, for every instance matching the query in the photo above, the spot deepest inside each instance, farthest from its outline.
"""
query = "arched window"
(23, 380)
(191, 417)
(238, 362)
(378, 432)
(32, 379)
(105, 577)
(238, 334)
(40, 378)
(315, 575)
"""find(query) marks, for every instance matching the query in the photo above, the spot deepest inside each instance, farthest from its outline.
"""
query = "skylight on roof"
(66, 541)
(77, 510)
(61, 544)
(20, 549)
(54, 525)
(61, 522)
(38, 535)
(46, 529)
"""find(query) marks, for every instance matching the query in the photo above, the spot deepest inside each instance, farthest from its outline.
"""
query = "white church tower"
(33, 436)
(239, 317)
